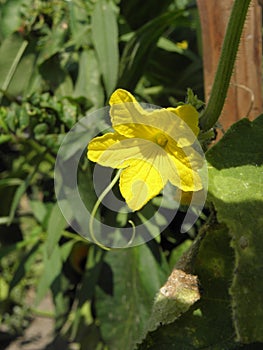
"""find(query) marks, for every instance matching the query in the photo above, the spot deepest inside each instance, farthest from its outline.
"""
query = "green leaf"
(105, 39)
(55, 75)
(86, 188)
(11, 52)
(10, 16)
(5, 138)
(236, 189)
(19, 193)
(10, 182)
(39, 210)
(145, 11)
(61, 299)
(86, 291)
(20, 81)
(179, 251)
(5, 250)
(52, 269)
(54, 43)
(208, 324)
(65, 88)
(55, 227)
(88, 82)
(129, 281)
(79, 15)
(3, 289)
(60, 286)
(24, 266)
(138, 50)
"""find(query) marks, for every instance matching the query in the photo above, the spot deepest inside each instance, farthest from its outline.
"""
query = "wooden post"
(244, 97)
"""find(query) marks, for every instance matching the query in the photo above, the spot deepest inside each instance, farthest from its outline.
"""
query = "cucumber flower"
(151, 147)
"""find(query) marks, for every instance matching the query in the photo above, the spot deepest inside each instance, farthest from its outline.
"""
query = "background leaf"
(236, 189)
(143, 15)
(19, 193)
(88, 82)
(105, 40)
(129, 281)
(56, 224)
(25, 265)
(10, 16)
(52, 266)
(208, 323)
(138, 50)
(11, 52)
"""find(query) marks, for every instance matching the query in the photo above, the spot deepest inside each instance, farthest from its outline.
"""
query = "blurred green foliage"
(58, 61)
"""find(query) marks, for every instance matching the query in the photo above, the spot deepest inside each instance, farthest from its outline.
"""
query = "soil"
(39, 335)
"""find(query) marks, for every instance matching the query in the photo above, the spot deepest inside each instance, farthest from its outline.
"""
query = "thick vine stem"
(226, 64)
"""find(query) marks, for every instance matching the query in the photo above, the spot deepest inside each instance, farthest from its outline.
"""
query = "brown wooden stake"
(244, 97)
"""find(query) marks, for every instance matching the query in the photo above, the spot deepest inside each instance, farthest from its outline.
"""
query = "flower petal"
(121, 96)
(99, 145)
(139, 183)
(118, 154)
(186, 124)
(186, 162)
(189, 115)
(145, 162)
(131, 120)
(188, 155)
(127, 115)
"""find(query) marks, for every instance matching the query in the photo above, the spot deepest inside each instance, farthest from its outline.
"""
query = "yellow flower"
(151, 146)
(182, 45)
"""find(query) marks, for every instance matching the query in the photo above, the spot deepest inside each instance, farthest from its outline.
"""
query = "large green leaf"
(236, 189)
(105, 40)
(208, 324)
(129, 281)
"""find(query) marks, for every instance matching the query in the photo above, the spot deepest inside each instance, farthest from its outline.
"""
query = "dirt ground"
(39, 335)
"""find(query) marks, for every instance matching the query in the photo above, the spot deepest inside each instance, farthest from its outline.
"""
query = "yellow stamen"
(161, 140)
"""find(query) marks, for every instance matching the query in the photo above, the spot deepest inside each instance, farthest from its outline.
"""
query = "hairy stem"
(225, 65)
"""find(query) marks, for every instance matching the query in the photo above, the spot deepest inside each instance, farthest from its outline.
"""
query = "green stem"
(225, 65)
(96, 206)
(42, 313)
(73, 236)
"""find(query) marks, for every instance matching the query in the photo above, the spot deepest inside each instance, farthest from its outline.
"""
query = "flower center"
(160, 139)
